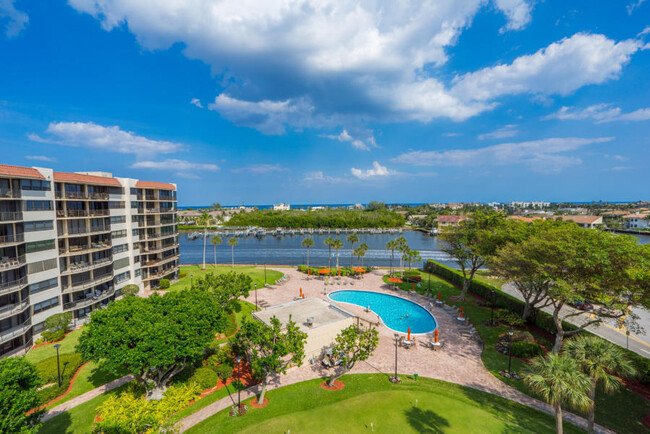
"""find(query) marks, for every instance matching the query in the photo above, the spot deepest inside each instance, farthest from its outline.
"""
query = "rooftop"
(19, 172)
(450, 218)
(86, 179)
(582, 219)
(320, 311)
(153, 184)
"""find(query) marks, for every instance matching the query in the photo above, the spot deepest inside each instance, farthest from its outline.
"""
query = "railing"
(72, 213)
(162, 273)
(19, 350)
(150, 197)
(76, 250)
(14, 332)
(13, 285)
(89, 230)
(8, 216)
(75, 195)
(91, 299)
(6, 263)
(14, 308)
(6, 239)
(98, 212)
(88, 283)
(9, 193)
(83, 266)
(99, 196)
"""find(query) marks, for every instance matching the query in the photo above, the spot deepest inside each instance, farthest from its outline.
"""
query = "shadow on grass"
(426, 420)
(59, 424)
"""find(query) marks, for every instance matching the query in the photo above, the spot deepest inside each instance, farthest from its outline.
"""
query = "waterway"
(286, 250)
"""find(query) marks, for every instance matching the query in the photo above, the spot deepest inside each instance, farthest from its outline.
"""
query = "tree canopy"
(328, 218)
(19, 382)
(227, 287)
(153, 338)
(353, 344)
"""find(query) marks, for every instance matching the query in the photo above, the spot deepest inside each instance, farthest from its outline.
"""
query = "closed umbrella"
(408, 338)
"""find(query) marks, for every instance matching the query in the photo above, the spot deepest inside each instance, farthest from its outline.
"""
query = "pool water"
(396, 313)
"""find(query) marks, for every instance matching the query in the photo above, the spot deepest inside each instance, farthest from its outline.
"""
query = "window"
(38, 205)
(42, 286)
(35, 185)
(45, 305)
(115, 205)
(121, 248)
(39, 246)
(121, 263)
(118, 234)
(137, 272)
(118, 219)
(38, 327)
(134, 219)
(134, 232)
(134, 190)
(134, 204)
(37, 267)
(42, 225)
(136, 259)
(122, 277)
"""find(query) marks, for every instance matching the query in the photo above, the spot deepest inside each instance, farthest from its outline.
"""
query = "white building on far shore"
(282, 207)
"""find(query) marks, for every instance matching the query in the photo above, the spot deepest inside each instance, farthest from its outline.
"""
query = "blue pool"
(392, 310)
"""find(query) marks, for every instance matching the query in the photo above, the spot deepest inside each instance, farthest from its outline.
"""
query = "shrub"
(182, 274)
(164, 283)
(47, 370)
(525, 350)
(411, 276)
(221, 355)
(53, 336)
(509, 318)
(522, 336)
(205, 378)
(40, 341)
(129, 290)
(223, 371)
(59, 321)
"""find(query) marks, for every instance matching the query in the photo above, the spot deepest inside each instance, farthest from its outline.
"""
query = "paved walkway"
(85, 397)
(460, 361)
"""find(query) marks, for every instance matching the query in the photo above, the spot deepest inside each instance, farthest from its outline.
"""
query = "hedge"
(47, 370)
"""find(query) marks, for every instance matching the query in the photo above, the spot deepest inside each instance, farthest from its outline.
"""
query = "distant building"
(282, 207)
(584, 221)
(636, 221)
(534, 204)
(356, 206)
(524, 219)
(449, 220)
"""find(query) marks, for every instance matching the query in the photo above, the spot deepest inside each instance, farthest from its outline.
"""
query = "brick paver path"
(459, 362)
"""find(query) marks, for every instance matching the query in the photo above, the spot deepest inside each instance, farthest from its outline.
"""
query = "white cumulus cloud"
(356, 143)
(517, 12)
(377, 171)
(40, 158)
(260, 169)
(500, 133)
(599, 113)
(174, 164)
(14, 20)
(196, 102)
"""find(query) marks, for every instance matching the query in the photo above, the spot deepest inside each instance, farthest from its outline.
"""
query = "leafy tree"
(308, 242)
(130, 290)
(337, 244)
(204, 221)
(227, 288)
(216, 206)
(557, 378)
(599, 360)
(352, 345)
(58, 322)
(19, 383)
(270, 349)
(352, 238)
(363, 248)
(392, 245)
(215, 240)
(329, 218)
(153, 338)
(328, 242)
(359, 252)
(374, 205)
(471, 242)
(413, 256)
(402, 247)
(232, 243)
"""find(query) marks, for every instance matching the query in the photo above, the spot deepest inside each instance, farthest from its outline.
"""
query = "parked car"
(581, 304)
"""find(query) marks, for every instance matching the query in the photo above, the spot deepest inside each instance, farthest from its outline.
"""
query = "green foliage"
(153, 338)
(19, 382)
(130, 290)
(525, 350)
(47, 371)
(354, 344)
(523, 336)
(224, 370)
(222, 354)
(510, 318)
(205, 377)
(182, 274)
(40, 341)
(59, 321)
(411, 276)
(53, 336)
(227, 288)
(163, 284)
(330, 218)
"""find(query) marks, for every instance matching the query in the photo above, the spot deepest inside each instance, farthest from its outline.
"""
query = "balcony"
(79, 250)
(11, 239)
(86, 231)
(88, 283)
(144, 249)
(73, 195)
(11, 216)
(14, 332)
(9, 263)
(14, 285)
(13, 309)
(157, 262)
(8, 193)
(71, 213)
(79, 267)
(90, 299)
(98, 196)
(161, 274)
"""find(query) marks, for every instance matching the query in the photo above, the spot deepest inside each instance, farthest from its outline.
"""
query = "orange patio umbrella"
(307, 272)
(461, 313)
(339, 273)
(408, 338)
(359, 270)
(324, 271)
(413, 286)
(300, 294)
(435, 336)
(394, 280)
(438, 296)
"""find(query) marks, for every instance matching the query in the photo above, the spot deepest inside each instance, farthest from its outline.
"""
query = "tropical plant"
(558, 379)
(352, 238)
(525, 350)
(19, 383)
(402, 247)
(215, 240)
(392, 245)
(413, 256)
(307, 242)
(227, 287)
(353, 344)
(328, 242)
(600, 360)
(359, 252)
(163, 283)
(337, 244)
(232, 243)
(204, 221)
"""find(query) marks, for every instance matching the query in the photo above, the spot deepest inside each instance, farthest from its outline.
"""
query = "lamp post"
(264, 273)
(58, 367)
(627, 339)
(492, 311)
(238, 359)
(429, 282)
(256, 296)
(510, 333)
(191, 281)
(396, 340)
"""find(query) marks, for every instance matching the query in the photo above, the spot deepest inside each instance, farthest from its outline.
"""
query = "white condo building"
(69, 242)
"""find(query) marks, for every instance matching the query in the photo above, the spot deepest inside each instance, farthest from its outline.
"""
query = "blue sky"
(262, 101)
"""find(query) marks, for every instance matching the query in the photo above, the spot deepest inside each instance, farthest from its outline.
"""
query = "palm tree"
(557, 378)
(337, 244)
(364, 249)
(599, 360)
(215, 240)
(413, 256)
(402, 246)
(392, 245)
(352, 238)
(360, 252)
(232, 243)
(307, 242)
(328, 242)
(204, 220)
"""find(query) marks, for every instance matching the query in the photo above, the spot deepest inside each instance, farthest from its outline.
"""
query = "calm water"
(287, 250)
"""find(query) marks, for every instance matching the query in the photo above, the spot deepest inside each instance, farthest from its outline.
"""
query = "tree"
(363, 248)
(599, 360)
(19, 383)
(374, 205)
(227, 288)
(270, 349)
(307, 242)
(353, 344)
(402, 247)
(337, 244)
(328, 242)
(130, 290)
(152, 338)
(352, 238)
(559, 381)
(471, 242)
(58, 322)
(215, 206)
(359, 252)
(392, 245)
(413, 256)
(232, 243)
(204, 220)
(215, 240)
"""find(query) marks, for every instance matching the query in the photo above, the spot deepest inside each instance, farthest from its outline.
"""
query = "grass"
(256, 273)
(621, 411)
(486, 276)
(90, 377)
(46, 351)
(425, 405)
(242, 310)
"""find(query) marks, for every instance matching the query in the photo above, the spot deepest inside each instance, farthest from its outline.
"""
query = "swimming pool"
(396, 313)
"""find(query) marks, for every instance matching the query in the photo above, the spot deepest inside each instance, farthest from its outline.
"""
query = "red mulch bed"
(262, 405)
(338, 385)
(635, 386)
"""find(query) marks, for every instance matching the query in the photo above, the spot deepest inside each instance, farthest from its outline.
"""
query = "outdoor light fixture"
(255, 296)
(191, 281)
(238, 360)
(58, 367)
(510, 333)
(395, 379)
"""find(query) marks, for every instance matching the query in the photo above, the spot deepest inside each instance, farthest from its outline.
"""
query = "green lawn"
(486, 276)
(256, 273)
(46, 351)
(425, 405)
(621, 411)
(90, 377)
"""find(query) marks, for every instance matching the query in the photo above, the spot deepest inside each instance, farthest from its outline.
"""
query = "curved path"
(460, 361)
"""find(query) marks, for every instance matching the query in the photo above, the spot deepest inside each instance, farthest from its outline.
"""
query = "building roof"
(523, 219)
(619, 213)
(450, 218)
(85, 179)
(20, 172)
(418, 216)
(153, 184)
(583, 219)
(319, 311)
(641, 215)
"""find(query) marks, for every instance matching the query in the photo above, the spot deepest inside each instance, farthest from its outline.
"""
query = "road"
(639, 343)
